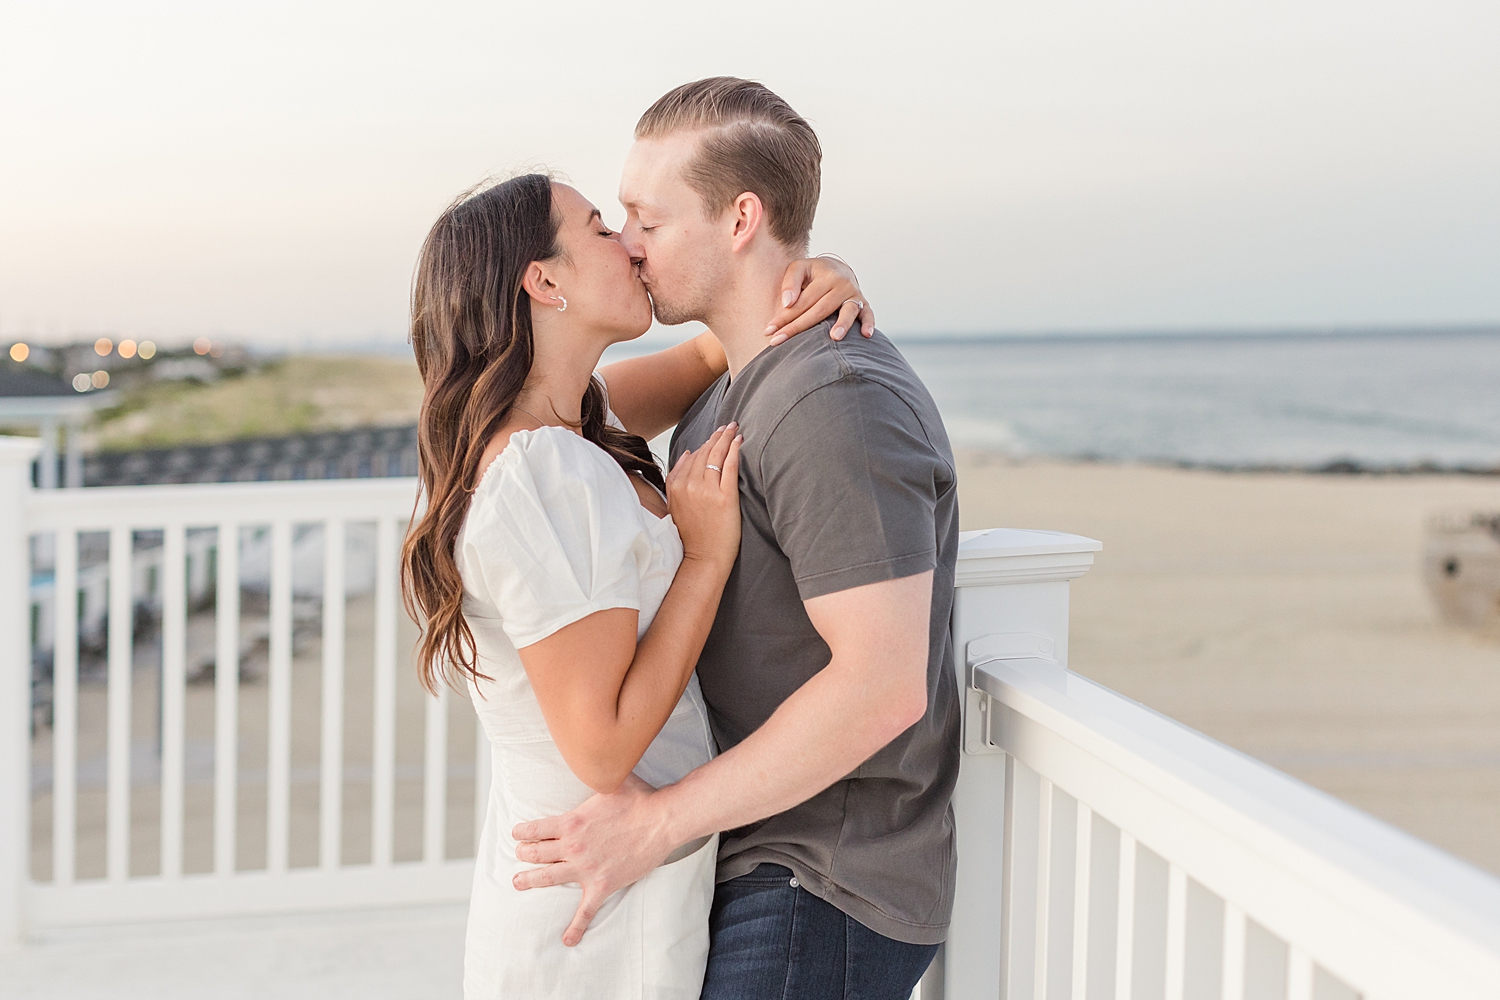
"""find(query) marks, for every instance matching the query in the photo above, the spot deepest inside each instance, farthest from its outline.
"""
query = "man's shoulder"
(783, 376)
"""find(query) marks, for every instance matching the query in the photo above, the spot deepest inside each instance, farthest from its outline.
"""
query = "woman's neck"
(554, 389)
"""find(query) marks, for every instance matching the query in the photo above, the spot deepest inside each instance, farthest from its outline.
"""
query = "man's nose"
(630, 239)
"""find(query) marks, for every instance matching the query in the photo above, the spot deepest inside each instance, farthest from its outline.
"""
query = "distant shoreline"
(1485, 330)
(1336, 467)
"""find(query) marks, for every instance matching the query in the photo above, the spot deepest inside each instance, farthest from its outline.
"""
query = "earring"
(564, 306)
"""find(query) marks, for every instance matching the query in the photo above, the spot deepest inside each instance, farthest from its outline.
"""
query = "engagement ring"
(714, 467)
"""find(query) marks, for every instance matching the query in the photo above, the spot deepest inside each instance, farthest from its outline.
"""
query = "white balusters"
(273, 560)
(1043, 886)
(1010, 926)
(435, 779)
(64, 706)
(1083, 847)
(383, 751)
(279, 695)
(1176, 931)
(16, 713)
(1299, 974)
(1234, 952)
(173, 696)
(1125, 919)
(331, 771)
(121, 662)
(226, 697)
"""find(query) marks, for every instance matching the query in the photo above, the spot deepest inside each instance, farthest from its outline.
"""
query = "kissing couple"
(721, 709)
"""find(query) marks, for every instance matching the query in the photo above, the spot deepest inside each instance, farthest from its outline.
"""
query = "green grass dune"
(293, 395)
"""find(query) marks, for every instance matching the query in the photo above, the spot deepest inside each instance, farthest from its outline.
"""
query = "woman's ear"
(538, 285)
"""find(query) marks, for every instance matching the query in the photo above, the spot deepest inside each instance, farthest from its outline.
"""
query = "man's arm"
(873, 689)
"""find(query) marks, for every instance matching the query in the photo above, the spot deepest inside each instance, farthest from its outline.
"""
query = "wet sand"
(1285, 615)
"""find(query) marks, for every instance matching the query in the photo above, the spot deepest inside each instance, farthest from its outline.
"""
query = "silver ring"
(858, 302)
(714, 467)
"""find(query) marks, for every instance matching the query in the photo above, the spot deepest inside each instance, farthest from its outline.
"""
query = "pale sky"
(265, 172)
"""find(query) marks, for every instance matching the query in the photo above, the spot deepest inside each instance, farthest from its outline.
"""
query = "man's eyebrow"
(595, 215)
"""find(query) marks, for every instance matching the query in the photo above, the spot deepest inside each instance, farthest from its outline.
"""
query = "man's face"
(683, 255)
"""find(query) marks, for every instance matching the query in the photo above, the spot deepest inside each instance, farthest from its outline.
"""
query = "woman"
(560, 576)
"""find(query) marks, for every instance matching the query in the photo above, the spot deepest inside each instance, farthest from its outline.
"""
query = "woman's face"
(595, 274)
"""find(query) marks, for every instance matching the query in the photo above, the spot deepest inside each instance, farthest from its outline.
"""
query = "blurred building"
(354, 454)
(33, 398)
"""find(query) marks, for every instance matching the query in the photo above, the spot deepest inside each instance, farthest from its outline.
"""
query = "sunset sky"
(265, 172)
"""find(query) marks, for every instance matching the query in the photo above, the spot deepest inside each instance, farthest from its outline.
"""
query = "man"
(828, 671)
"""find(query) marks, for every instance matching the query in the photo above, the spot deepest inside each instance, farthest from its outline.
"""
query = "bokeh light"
(127, 348)
(100, 379)
(202, 345)
(103, 346)
(147, 350)
(19, 352)
(82, 382)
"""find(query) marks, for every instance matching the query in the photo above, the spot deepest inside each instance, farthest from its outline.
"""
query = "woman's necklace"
(533, 416)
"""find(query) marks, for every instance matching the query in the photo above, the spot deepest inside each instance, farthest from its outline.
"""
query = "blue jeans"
(771, 939)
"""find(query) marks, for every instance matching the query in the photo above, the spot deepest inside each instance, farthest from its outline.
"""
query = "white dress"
(556, 532)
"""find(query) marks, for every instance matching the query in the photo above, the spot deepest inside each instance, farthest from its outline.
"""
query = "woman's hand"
(811, 291)
(703, 496)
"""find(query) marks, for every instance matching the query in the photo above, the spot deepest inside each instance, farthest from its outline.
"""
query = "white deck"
(1106, 850)
(384, 954)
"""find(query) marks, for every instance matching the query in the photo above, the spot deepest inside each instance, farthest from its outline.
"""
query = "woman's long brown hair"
(472, 334)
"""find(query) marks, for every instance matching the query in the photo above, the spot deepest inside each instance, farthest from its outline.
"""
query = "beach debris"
(1461, 566)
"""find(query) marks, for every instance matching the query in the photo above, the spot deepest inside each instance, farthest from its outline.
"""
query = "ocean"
(1382, 401)
(1388, 401)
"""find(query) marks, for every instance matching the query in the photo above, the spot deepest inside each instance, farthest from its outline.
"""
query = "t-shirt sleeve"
(558, 540)
(851, 483)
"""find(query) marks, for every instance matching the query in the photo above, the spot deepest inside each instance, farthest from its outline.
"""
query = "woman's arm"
(605, 696)
(651, 393)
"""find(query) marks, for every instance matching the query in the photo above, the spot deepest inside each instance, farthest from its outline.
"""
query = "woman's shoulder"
(547, 467)
(547, 452)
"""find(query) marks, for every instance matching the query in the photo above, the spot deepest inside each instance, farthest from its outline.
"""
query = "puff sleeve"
(554, 535)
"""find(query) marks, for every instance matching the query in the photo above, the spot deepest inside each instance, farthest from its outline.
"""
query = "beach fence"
(1105, 852)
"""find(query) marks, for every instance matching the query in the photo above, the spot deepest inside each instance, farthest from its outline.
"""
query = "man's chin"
(666, 315)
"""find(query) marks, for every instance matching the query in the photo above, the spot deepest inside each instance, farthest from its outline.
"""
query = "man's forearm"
(825, 730)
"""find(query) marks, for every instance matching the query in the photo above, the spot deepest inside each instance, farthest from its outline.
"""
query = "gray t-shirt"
(846, 479)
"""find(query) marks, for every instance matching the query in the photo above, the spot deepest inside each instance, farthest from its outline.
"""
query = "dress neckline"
(531, 432)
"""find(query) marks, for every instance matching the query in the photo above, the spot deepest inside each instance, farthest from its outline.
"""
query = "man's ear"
(747, 216)
(539, 284)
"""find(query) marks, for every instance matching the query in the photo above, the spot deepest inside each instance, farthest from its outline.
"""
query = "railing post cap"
(16, 450)
(989, 542)
(1014, 555)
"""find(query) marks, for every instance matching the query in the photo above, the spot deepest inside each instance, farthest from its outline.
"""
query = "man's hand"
(606, 844)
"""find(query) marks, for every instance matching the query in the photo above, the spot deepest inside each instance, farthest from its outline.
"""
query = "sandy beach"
(1283, 614)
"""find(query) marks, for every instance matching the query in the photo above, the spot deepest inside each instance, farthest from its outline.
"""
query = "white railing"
(1109, 852)
(281, 519)
(1105, 851)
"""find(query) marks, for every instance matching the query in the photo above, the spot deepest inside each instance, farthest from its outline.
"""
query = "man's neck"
(742, 310)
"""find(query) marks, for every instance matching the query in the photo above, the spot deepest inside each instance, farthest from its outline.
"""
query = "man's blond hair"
(752, 141)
